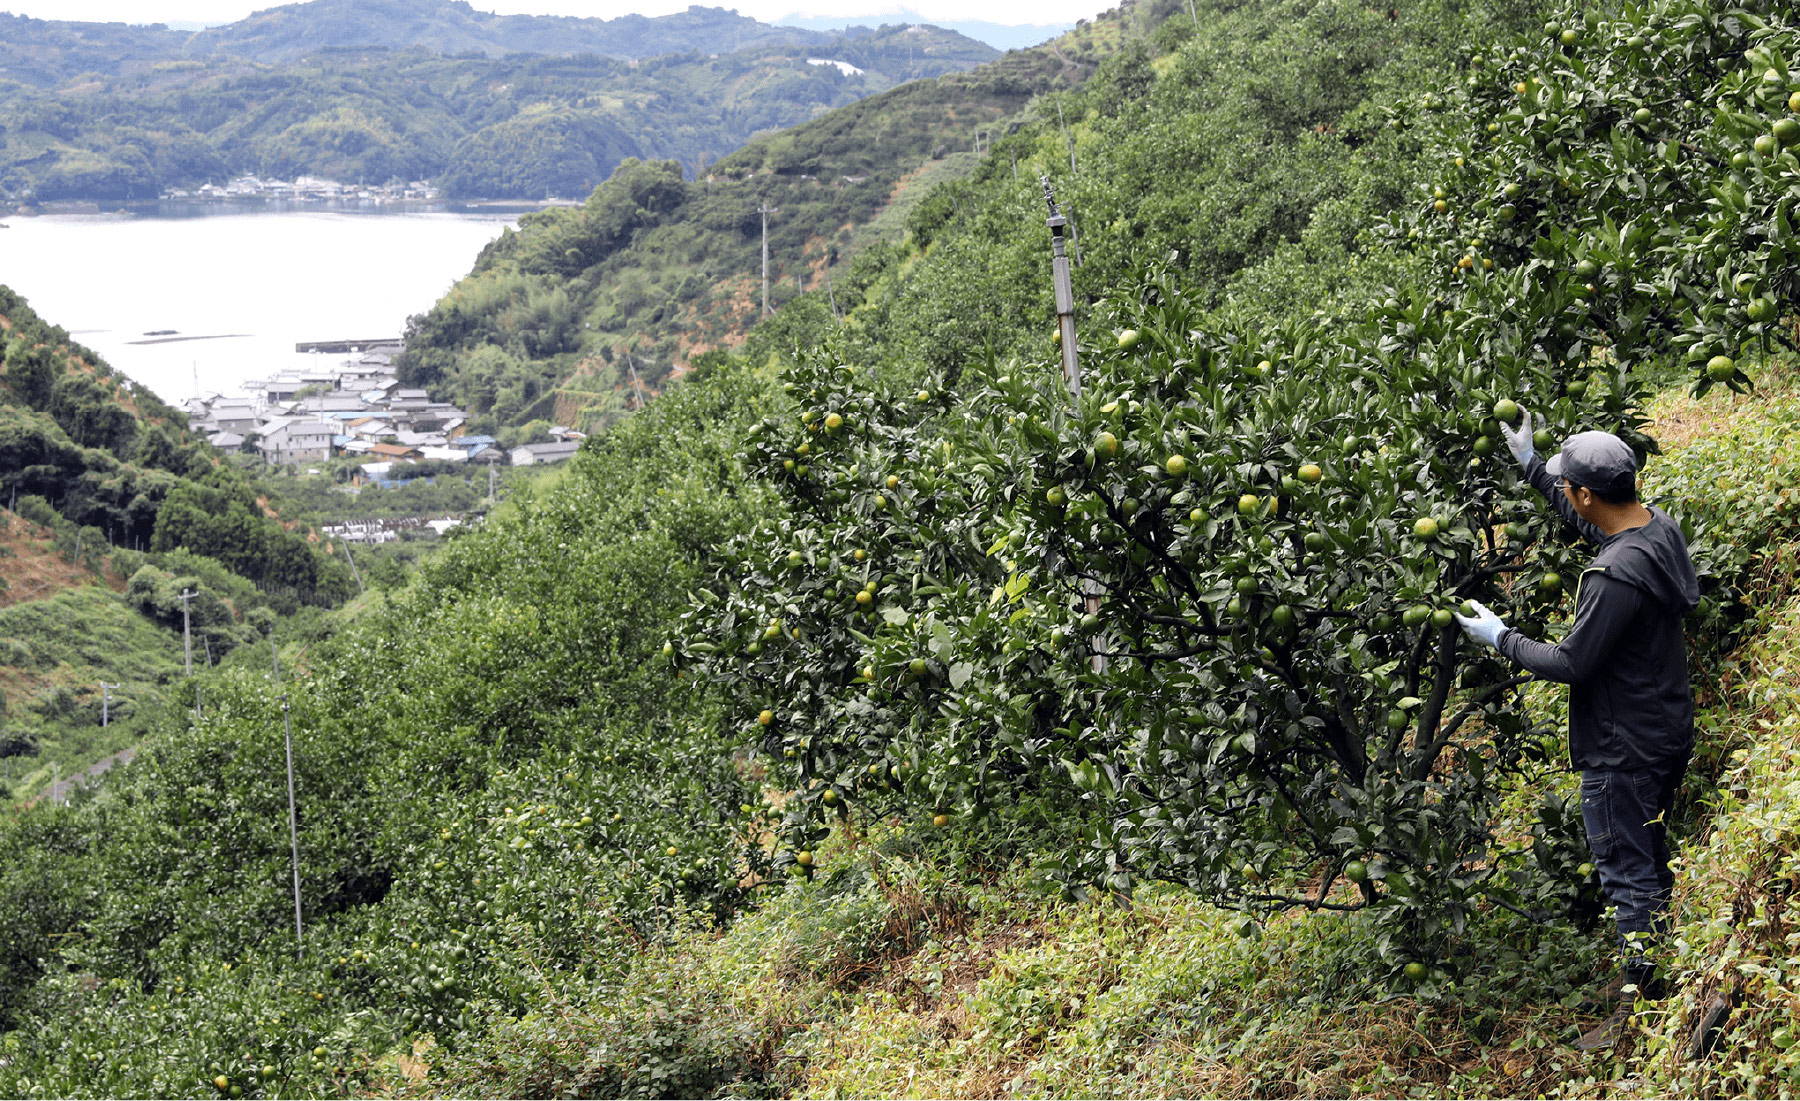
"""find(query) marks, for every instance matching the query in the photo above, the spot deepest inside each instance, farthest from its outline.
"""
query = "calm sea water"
(256, 283)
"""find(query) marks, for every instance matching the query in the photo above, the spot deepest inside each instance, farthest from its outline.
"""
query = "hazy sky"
(226, 11)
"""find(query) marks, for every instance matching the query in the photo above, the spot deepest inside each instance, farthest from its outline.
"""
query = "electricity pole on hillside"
(353, 570)
(1071, 365)
(187, 634)
(1066, 138)
(287, 722)
(106, 703)
(765, 210)
(631, 364)
(1065, 293)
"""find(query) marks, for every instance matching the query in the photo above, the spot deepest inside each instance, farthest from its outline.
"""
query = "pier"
(344, 347)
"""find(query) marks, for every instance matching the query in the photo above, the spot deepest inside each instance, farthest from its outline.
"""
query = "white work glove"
(1518, 440)
(1485, 626)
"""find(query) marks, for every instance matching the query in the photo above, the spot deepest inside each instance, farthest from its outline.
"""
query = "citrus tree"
(1205, 607)
(1640, 170)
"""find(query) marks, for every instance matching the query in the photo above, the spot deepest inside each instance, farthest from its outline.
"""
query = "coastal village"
(357, 410)
(307, 189)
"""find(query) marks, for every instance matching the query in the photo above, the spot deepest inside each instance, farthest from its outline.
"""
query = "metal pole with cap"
(1065, 292)
(1091, 591)
(287, 722)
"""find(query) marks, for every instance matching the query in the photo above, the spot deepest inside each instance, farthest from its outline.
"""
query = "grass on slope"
(54, 655)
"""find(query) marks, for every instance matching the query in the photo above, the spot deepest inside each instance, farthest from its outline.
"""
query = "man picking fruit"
(1631, 711)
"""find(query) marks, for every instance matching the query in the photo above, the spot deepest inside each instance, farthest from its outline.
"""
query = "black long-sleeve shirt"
(1625, 657)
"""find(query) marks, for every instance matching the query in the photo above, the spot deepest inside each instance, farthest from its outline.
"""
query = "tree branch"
(1433, 711)
(1430, 754)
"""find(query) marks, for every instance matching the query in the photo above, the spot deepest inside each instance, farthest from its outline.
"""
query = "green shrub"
(37, 510)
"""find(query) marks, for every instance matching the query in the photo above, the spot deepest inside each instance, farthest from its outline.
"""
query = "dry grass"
(33, 570)
(1678, 418)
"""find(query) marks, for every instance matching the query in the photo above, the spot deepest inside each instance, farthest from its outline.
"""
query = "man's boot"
(1607, 1032)
(1637, 979)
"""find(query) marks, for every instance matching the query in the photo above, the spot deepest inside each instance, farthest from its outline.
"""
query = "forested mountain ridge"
(50, 53)
(520, 125)
(284, 33)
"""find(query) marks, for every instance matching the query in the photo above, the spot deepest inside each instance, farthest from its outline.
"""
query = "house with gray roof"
(232, 418)
(535, 454)
(298, 442)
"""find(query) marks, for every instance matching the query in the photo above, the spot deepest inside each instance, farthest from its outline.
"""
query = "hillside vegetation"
(418, 90)
(872, 715)
(571, 316)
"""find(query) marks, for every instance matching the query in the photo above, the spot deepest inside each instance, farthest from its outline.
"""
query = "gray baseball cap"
(1600, 461)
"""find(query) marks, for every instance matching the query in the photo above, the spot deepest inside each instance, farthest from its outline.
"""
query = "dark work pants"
(1626, 815)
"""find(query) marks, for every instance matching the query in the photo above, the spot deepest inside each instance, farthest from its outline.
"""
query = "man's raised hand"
(1518, 439)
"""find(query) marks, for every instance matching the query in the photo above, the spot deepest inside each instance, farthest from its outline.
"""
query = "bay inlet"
(186, 304)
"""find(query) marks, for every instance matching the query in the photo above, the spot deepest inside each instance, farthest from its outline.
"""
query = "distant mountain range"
(43, 52)
(455, 27)
(1001, 36)
(378, 90)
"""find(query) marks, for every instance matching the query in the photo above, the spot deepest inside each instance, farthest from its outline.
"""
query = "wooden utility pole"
(765, 210)
(1071, 365)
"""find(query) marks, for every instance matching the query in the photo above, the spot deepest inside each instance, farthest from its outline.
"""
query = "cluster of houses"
(307, 189)
(357, 410)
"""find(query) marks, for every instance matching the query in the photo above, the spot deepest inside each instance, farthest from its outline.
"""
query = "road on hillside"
(59, 791)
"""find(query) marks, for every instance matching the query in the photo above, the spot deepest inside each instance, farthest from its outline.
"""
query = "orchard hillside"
(878, 713)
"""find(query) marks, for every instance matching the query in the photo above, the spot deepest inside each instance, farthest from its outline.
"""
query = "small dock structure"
(346, 347)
